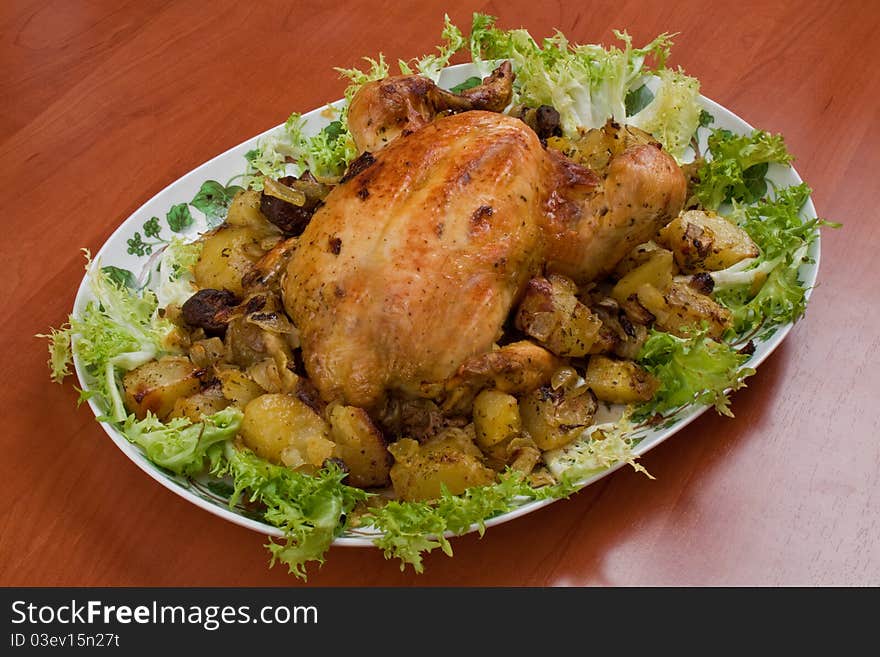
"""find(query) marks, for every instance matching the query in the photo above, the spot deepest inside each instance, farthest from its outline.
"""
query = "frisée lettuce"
(116, 331)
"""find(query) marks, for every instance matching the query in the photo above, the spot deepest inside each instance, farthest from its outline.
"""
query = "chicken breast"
(411, 266)
(414, 263)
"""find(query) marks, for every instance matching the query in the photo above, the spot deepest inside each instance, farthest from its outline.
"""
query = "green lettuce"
(311, 510)
(325, 154)
(181, 445)
(776, 227)
(431, 66)
(118, 330)
(176, 282)
(600, 447)
(586, 84)
(693, 369)
(412, 529)
(673, 116)
(738, 167)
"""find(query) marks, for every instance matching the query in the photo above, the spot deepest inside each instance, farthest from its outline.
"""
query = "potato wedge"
(496, 418)
(450, 459)
(551, 314)
(228, 254)
(157, 385)
(703, 241)
(206, 402)
(635, 258)
(514, 368)
(237, 386)
(284, 430)
(619, 381)
(361, 447)
(244, 210)
(682, 309)
(554, 418)
(657, 271)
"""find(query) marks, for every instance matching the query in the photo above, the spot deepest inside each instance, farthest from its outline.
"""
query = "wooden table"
(105, 103)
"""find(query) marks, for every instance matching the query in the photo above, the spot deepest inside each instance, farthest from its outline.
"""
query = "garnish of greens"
(122, 328)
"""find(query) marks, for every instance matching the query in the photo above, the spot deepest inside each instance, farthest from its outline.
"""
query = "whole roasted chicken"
(411, 267)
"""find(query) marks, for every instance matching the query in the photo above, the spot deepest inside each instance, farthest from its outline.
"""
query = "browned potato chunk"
(450, 459)
(361, 447)
(244, 210)
(656, 270)
(282, 429)
(207, 402)
(682, 309)
(496, 418)
(595, 148)
(519, 453)
(551, 313)
(554, 418)
(704, 241)
(619, 381)
(635, 258)
(237, 386)
(227, 255)
(514, 368)
(206, 353)
(157, 385)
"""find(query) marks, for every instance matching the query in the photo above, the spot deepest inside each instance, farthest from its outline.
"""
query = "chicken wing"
(384, 109)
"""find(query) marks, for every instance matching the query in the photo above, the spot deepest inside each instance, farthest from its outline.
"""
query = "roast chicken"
(411, 267)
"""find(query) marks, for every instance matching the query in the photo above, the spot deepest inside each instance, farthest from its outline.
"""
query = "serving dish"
(188, 206)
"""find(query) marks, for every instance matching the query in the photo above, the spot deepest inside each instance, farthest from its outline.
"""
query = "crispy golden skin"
(412, 266)
(384, 109)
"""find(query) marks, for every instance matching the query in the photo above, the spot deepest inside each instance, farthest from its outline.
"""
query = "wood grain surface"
(104, 103)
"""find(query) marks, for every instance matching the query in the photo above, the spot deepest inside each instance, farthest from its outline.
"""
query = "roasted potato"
(284, 430)
(360, 445)
(681, 309)
(514, 368)
(244, 211)
(554, 418)
(619, 381)
(703, 241)
(237, 386)
(206, 353)
(451, 459)
(157, 385)
(595, 148)
(656, 270)
(496, 418)
(551, 314)
(205, 402)
(228, 254)
(635, 258)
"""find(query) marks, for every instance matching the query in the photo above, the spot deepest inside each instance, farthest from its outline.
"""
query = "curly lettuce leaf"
(181, 445)
(600, 447)
(738, 166)
(311, 509)
(176, 282)
(691, 370)
(325, 154)
(118, 330)
(673, 116)
(586, 84)
(431, 66)
(767, 289)
(413, 529)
